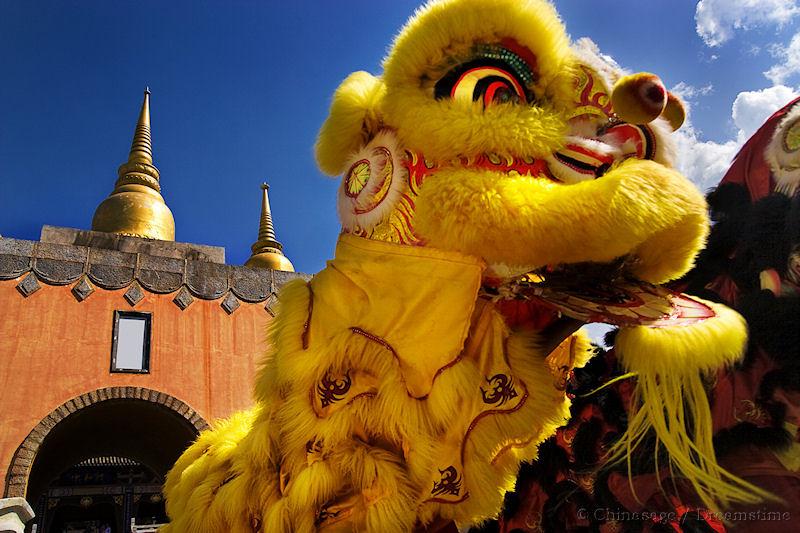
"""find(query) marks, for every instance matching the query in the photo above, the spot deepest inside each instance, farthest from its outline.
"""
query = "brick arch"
(22, 461)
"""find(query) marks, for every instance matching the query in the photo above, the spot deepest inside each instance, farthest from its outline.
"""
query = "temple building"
(117, 346)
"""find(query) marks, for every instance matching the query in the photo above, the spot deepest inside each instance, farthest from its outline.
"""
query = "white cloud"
(705, 162)
(689, 93)
(788, 61)
(752, 108)
(716, 20)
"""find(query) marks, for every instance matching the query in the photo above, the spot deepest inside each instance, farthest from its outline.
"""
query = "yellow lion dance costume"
(403, 386)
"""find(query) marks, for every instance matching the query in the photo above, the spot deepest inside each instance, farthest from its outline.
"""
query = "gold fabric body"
(383, 403)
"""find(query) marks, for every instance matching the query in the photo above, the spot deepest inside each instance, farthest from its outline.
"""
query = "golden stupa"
(267, 251)
(135, 207)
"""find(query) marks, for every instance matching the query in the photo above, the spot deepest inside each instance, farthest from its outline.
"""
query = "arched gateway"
(98, 461)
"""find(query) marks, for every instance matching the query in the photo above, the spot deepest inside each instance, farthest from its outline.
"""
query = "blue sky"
(239, 90)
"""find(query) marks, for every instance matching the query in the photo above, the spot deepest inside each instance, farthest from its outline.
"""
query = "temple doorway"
(101, 468)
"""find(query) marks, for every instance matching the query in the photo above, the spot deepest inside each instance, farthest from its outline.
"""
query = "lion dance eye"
(484, 83)
(497, 75)
(498, 92)
(488, 85)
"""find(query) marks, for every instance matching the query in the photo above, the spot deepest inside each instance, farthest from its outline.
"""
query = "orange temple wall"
(54, 348)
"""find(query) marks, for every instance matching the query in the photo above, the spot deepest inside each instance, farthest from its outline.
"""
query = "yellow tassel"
(670, 397)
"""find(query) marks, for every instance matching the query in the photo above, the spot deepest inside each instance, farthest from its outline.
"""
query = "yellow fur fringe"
(671, 401)
(351, 122)
(435, 38)
(637, 206)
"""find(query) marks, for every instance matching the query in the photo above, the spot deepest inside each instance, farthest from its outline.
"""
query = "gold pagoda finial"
(267, 251)
(266, 231)
(135, 207)
(142, 145)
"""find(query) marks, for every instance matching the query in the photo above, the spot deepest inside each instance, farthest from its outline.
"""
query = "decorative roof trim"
(62, 264)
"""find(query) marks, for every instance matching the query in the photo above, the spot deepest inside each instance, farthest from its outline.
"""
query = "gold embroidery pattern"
(449, 484)
(500, 391)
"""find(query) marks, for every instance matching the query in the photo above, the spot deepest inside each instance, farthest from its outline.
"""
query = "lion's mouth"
(572, 164)
(527, 166)
(582, 158)
(501, 164)
(565, 275)
(610, 272)
(593, 292)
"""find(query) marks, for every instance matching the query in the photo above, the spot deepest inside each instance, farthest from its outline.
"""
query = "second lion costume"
(491, 186)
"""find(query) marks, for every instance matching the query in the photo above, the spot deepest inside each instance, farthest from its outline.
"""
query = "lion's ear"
(353, 120)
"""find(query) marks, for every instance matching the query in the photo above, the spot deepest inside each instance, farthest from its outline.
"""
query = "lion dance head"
(490, 134)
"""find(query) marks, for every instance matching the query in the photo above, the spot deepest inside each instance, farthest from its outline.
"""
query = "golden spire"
(135, 207)
(142, 146)
(267, 251)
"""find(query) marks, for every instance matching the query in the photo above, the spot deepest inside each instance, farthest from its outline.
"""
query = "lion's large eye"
(490, 85)
(483, 80)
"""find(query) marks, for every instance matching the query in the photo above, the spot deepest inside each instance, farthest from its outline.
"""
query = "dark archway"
(145, 432)
(139, 426)
(165, 408)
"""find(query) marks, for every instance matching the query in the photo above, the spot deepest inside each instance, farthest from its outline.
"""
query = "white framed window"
(130, 345)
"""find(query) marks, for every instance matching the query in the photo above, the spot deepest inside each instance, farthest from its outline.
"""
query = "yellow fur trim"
(670, 396)
(445, 129)
(444, 32)
(638, 207)
(196, 499)
(294, 302)
(352, 121)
